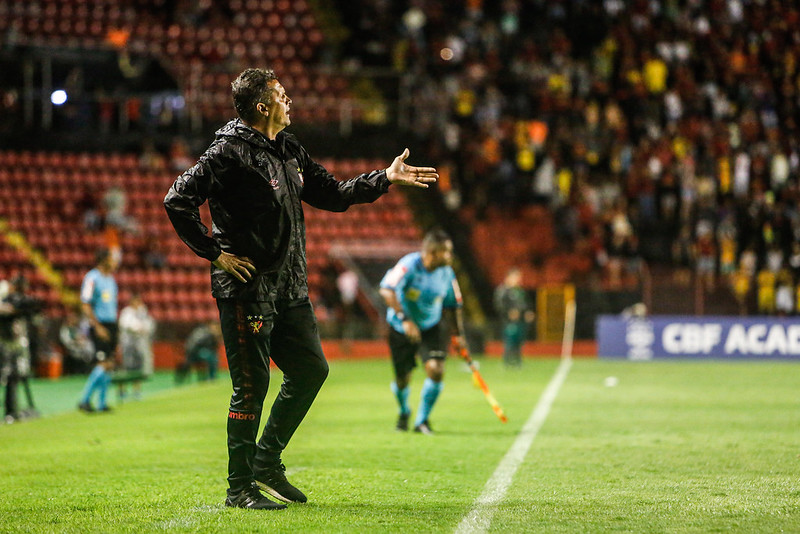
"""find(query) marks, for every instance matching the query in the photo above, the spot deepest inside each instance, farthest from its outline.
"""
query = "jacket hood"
(237, 128)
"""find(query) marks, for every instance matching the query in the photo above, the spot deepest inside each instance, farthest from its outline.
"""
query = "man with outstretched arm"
(419, 291)
(254, 177)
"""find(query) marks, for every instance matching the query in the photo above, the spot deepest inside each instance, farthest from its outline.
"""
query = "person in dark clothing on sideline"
(514, 308)
(254, 177)
(201, 348)
(19, 339)
(12, 353)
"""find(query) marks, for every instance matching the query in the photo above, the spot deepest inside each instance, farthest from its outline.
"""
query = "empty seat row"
(282, 32)
(181, 291)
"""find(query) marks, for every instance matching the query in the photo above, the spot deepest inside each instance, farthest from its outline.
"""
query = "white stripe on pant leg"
(480, 517)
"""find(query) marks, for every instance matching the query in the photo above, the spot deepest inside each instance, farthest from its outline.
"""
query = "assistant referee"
(419, 291)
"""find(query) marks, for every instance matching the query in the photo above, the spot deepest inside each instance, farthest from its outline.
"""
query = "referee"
(99, 295)
(419, 291)
(254, 177)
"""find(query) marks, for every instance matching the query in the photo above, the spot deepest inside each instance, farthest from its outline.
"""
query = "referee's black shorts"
(105, 349)
(404, 351)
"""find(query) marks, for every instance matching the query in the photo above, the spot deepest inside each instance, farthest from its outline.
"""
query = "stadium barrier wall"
(167, 354)
(720, 337)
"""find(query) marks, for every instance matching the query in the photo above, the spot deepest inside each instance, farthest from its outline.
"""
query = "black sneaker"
(424, 428)
(86, 407)
(252, 499)
(273, 481)
(402, 422)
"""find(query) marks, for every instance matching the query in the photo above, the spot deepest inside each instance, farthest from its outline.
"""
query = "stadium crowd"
(680, 118)
(661, 129)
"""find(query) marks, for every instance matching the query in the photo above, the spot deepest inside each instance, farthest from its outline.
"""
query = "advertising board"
(664, 336)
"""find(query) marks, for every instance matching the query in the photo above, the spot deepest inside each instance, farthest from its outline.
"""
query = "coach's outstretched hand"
(402, 174)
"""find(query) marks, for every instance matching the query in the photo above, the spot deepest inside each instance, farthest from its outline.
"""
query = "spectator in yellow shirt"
(655, 74)
(766, 291)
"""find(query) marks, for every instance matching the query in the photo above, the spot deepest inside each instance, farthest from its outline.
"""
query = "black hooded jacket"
(254, 187)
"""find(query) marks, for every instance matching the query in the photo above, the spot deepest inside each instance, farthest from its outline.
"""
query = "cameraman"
(28, 311)
(17, 339)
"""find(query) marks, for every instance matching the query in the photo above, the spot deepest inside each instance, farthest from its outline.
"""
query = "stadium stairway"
(527, 241)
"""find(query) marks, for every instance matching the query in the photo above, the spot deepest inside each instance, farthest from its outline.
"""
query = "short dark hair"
(435, 238)
(101, 255)
(250, 88)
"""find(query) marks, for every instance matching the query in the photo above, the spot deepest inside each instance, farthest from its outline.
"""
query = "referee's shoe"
(424, 428)
(272, 480)
(402, 422)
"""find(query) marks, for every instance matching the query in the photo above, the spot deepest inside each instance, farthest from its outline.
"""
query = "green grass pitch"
(674, 447)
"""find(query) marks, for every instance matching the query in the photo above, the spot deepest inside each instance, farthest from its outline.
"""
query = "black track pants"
(254, 333)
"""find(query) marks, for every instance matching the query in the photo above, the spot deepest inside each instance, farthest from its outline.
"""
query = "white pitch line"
(480, 517)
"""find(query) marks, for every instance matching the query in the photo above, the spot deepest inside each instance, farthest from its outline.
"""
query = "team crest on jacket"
(274, 183)
(255, 322)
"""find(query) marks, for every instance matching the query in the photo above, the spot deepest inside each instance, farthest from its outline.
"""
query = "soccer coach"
(254, 177)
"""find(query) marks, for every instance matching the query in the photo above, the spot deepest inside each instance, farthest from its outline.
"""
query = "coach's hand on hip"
(402, 174)
(241, 268)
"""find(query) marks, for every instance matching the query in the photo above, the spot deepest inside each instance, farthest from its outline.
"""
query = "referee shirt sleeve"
(87, 288)
(396, 278)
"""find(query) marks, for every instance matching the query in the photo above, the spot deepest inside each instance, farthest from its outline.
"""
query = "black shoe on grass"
(402, 423)
(272, 480)
(86, 407)
(424, 428)
(252, 499)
